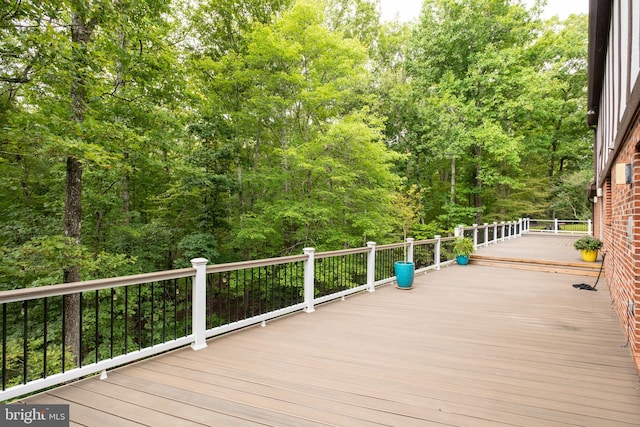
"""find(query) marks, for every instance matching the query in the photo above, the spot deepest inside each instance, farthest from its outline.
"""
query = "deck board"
(467, 346)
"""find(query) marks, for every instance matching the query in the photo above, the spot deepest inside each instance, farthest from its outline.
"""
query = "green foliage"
(409, 206)
(463, 246)
(198, 245)
(499, 97)
(569, 200)
(588, 243)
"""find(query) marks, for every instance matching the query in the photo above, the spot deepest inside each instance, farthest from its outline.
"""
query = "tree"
(479, 80)
(313, 139)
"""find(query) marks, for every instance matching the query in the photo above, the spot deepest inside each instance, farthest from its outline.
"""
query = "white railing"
(487, 234)
(189, 301)
(561, 226)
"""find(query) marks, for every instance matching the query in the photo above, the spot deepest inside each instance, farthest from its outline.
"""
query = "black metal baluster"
(97, 325)
(175, 309)
(234, 298)
(153, 294)
(250, 292)
(126, 320)
(4, 347)
(139, 316)
(220, 297)
(64, 334)
(262, 297)
(80, 355)
(287, 288)
(227, 285)
(187, 303)
(240, 297)
(25, 331)
(164, 311)
(209, 313)
(276, 292)
(44, 338)
(113, 296)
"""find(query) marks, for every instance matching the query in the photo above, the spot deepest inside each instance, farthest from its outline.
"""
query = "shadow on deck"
(466, 346)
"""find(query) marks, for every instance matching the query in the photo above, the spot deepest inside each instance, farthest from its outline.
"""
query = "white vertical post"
(371, 267)
(486, 234)
(199, 304)
(475, 236)
(495, 232)
(555, 225)
(520, 222)
(309, 291)
(410, 250)
(509, 229)
(436, 252)
(589, 229)
(502, 227)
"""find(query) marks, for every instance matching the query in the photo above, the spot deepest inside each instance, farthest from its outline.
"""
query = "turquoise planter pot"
(462, 259)
(404, 274)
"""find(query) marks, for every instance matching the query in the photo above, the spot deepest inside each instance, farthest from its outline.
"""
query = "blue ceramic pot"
(462, 259)
(404, 274)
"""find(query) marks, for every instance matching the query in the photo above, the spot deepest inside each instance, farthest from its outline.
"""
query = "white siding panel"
(613, 57)
(635, 40)
(623, 59)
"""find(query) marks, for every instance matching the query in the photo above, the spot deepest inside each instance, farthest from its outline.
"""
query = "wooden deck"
(467, 346)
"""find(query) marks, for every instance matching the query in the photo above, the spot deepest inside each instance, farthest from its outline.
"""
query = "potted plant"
(408, 206)
(588, 247)
(462, 249)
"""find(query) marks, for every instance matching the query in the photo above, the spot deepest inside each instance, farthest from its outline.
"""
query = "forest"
(136, 135)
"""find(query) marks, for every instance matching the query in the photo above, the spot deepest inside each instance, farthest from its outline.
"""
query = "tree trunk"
(453, 180)
(477, 197)
(80, 34)
(72, 230)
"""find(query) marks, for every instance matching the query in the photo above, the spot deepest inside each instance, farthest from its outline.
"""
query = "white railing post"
(309, 291)
(410, 249)
(589, 229)
(371, 267)
(520, 222)
(555, 225)
(502, 228)
(199, 303)
(475, 236)
(495, 232)
(509, 229)
(486, 234)
(436, 252)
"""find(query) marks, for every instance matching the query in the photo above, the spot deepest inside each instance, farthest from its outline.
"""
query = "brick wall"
(617, 221)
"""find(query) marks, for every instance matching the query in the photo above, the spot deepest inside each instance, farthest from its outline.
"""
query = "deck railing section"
(125, 319)
(486, 234)
(557, 226)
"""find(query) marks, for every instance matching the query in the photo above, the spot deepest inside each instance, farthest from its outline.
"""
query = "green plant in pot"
(408, 206)
(588, 247)
(462, 248)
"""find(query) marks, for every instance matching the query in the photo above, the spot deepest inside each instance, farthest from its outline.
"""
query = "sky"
(410, 9)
